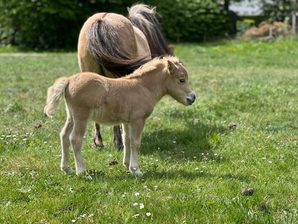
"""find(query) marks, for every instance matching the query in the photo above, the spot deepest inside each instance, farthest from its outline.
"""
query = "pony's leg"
(117, 138)
(97, 140)
(127, 149)
(76, 139)
(64, 136)
(135, 143)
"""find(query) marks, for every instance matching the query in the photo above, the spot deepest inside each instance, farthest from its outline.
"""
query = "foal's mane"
(155, 64)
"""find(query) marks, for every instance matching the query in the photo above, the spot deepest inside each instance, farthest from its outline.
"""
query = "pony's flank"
(54, 94)
(143, 17)
(108, 51)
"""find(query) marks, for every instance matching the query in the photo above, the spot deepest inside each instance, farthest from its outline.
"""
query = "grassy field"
(195, 166)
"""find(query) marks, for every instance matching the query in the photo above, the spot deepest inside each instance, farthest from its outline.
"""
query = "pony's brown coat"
(89, 96)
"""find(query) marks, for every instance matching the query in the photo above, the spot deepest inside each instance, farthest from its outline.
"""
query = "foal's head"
(177, 82)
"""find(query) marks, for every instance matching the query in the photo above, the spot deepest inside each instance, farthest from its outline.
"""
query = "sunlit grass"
(195, 166)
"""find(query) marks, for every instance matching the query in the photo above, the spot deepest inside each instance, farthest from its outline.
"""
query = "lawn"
(195, 165)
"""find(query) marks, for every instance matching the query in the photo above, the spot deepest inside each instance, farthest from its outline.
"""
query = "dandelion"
(137, 194)
(247, 136)
(148, 213)
(260, 148)
(259, 136)
(135, 204)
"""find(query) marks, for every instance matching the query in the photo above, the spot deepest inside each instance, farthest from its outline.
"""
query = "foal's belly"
(109, 117)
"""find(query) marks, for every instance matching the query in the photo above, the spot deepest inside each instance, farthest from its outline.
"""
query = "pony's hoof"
(95, 145)
(118, 144)
(97, 142)
(67, 170)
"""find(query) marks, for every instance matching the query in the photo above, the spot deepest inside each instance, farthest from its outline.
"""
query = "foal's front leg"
(136, 129)
(127, 149)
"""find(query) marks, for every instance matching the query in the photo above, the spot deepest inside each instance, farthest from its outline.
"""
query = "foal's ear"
(153, 10)
(171, 66)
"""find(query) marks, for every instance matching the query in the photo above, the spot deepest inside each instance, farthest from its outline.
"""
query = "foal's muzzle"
(190, 99)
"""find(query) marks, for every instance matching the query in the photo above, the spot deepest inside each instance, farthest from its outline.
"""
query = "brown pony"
(112, 45)
(90, 96)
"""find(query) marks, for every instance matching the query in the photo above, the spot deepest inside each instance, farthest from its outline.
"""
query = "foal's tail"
(105, 46)
(54, 94)
(143, 17)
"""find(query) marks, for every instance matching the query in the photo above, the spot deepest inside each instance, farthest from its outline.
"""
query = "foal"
(128, 100)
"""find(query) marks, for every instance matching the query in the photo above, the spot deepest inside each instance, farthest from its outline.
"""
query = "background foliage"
(44, 24)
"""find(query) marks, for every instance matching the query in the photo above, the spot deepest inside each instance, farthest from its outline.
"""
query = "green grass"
(195, 166)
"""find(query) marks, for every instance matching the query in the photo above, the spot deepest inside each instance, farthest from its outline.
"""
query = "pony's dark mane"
(142, 17)
(108, 51)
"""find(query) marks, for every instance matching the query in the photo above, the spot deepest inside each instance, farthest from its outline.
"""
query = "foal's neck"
(154, 81)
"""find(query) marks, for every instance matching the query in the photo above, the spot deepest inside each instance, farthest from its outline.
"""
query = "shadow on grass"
(195, 138)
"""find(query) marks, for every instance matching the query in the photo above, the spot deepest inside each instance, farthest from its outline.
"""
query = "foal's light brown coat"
(89, 96)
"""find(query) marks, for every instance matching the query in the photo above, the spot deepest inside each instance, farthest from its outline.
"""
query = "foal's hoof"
(85, 175)
(88, 177)
(136, 172)
(67, 170)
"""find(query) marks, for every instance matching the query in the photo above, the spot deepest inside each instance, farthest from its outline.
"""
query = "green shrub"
(47, 24)
(192, 20)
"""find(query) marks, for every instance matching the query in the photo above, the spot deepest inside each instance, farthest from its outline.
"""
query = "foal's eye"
(182, 80)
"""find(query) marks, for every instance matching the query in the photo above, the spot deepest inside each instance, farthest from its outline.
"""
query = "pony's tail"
(105, 46)
(143, 17)
(54, 94)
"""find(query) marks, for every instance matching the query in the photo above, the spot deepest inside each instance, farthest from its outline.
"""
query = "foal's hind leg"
(81, 119)
(64, 136)
(117, 138)
(97, 140)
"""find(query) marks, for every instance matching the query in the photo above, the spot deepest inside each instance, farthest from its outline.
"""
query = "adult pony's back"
(114, 46)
